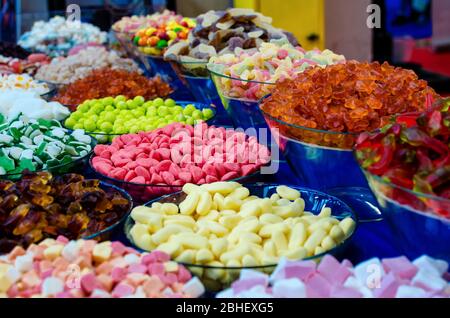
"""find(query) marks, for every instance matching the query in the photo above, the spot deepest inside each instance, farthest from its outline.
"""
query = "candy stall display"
(243, 77)
(155, 40)
(58, 35)
(28, 65)
(218, 228)
(41, 206)
(40, 144)
(152, 41)
(125, 29)
(218, 33)
(400, 278)
(13, 103)
(106, 82)
(110, 117)
(110, 270)
(407, 165)
(66, 70)
(317, 116)
(213, 156)
(23, 82)
(152, 164)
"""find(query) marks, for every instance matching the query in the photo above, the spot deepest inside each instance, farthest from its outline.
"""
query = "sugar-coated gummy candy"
(252, 74)
(178, 154)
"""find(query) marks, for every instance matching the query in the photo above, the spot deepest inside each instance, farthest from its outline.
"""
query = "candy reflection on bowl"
(321, 159)
(218, 229)
(411, 215)
(244, 112)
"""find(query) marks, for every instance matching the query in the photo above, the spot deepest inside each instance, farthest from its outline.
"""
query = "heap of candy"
(74, 269)
(155, 40)
(29, 65)
(121, 116)
(39, 144)
(221, 32)
(40, 206)
(349, 97)
(412, 153)
(59, 35)
(222, 225)
(8, 49)
(398, 278)
(178, 154)
(14, 103)
(244, 72)
(132, 24)
(109, 82)
(69, 69)
(22, 82)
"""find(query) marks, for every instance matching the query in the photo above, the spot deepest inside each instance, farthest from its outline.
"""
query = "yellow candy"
(53, 251)
(169, 209)
(314, 240)
(204, 256)
(288, 193)
(189, 204)
(204, 203)
(102, 252)
(187, 257)
(219, 246)
(348, 226)
(165, 233)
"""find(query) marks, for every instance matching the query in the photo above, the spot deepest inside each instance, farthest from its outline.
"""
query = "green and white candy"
(39, 145)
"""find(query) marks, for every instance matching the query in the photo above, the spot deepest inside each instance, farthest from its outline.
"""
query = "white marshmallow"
(289, 288)
(194, 287)
(426, 262)
(132, 259)
(100, 293)
(370, 273)
(71, 251)
(406, 291)
(52, 286)
(24, 263)
(428, 278)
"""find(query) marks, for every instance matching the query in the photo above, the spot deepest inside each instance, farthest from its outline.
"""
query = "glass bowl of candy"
(217, 230)
(194, 74)
(240, 103)
(407, 166)
(151, 164)
(317, 115)
(40, 206)
(110, 117)
(42, 145)
(98, 84)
